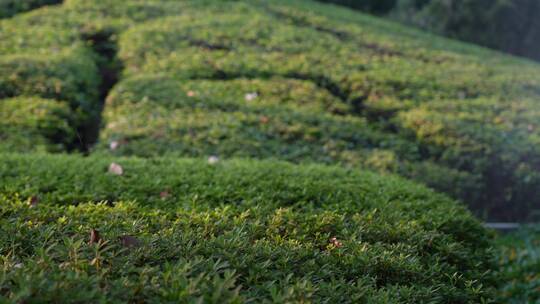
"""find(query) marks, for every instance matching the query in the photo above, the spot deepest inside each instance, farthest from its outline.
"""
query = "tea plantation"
(235, 151)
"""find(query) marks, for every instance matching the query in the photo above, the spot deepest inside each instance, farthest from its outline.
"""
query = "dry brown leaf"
(129, 241)
(334, 241)
(94, 237)
(33, 202)
(164, 194)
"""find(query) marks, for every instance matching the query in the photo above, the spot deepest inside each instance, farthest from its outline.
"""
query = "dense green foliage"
(234, 231)
(38, 61)
(275, 80)
(372, 6)
(33, 124)
(519, 258)
(394, 86)
(289, 119)
(9, 8)
(459, 119)
(511, 26)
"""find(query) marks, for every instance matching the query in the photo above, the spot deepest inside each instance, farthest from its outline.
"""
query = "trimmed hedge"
(9, 8)
(70, 75)
(273, 118)
(234, 231)
(17, 39)
(51, 63)
(384, 81)
(284, 118)
(394, 78)
(34, 124)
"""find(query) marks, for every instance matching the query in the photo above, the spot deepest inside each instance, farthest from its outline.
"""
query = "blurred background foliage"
(511, 26)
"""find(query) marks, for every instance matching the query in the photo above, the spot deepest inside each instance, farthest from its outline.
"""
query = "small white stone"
(212, 160)
(18, 266)
(116, 169)
(251, 96)
(114, 145)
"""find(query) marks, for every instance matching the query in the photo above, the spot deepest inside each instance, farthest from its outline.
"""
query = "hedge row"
(272, 118)
(234, 231)
(372, 6)
(510, 26)
(9, 8)
(35, 124)
(71, 76)
(463, 109)
(38, 61)
(255, 118)
(399, 88)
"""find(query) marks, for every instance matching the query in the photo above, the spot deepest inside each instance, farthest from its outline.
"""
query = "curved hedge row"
(39, 61)
(267, 79)
(400, 89)
(234, 231)
(271, 118)
(35, 124)
(461, 119)
(9, 8)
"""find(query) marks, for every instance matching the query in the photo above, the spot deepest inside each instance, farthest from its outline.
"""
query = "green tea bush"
(509, 163)
(276, 80)
(507, 25)
(17, 39)
(9, 8)
(460, 119)
(70, 75)
(234, 231)
(273, 118)
(376, 78)
(256, 118)
(34, 124)
(48, 61)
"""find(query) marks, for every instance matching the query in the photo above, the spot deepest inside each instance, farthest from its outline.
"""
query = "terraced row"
(50, 82)
(9, 8)
(453, 119)
(237, 231)
(265, 80)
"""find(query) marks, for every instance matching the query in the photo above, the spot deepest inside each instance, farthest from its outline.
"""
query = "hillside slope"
(9, 8)
(145, 89)
(296, 81)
